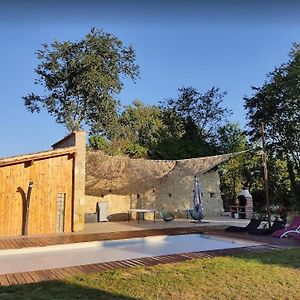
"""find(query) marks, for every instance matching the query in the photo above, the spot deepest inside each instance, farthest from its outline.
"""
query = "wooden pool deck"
(266, 243)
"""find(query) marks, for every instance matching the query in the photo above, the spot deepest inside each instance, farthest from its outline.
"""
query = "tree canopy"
(276, 104)
(178, 128)
(81, 79)
(204, 110)
(135, 132)
(192, 120)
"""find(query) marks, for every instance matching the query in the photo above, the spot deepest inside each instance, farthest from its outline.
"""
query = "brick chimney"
(249, 202)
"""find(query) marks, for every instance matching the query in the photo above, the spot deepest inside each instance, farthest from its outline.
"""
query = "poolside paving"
(266, 243)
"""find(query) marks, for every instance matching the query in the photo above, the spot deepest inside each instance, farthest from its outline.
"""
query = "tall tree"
(136, 132)
(141, 123)
(172, 130)
(194, 118)
(230, 138)
(277, 104)
(204, 110)
(81, 80)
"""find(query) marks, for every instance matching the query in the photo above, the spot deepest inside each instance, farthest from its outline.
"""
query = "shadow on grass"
(283, 258)
(56, 290)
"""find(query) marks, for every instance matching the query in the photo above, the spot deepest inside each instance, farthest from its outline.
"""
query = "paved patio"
(160, 224)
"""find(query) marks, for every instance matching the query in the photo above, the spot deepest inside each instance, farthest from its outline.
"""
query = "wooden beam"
(28, 163)
(72, 155)
(37, 156)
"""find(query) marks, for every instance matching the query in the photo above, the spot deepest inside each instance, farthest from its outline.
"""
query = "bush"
(135, 150)
(98, 142)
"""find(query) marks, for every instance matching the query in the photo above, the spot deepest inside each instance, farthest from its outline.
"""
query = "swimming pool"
(59, 256)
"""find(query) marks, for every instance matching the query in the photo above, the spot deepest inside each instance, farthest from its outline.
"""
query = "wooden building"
(49, 177)
(39, 192)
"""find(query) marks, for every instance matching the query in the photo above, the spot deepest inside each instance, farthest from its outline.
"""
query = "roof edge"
(66, 137)
(63, 139)
(36, 156)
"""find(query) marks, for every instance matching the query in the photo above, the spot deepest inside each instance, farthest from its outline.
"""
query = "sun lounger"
(276, 226)
(254, 223)
(294, 227)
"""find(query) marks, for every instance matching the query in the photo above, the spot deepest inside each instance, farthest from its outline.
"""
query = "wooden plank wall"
(49, 176)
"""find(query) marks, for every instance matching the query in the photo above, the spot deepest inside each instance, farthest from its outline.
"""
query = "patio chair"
(166, 215)
(276, 226)
(253, 224)
(294, 227)
(195, 214)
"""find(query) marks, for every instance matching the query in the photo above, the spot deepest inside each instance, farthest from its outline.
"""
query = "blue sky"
(177, 43)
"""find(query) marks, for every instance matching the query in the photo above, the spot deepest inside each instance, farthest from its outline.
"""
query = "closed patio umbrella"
(197, 212)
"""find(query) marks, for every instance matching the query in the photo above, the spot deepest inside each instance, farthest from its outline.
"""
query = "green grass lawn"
(269, 275)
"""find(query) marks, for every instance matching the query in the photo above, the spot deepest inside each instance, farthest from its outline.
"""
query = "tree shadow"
(289, 258)
(56, 290)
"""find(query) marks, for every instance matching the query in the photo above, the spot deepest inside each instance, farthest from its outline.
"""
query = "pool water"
(59, 256)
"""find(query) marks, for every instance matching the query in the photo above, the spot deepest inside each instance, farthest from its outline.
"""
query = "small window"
(170, 195)
(60, 212)
(212, 195)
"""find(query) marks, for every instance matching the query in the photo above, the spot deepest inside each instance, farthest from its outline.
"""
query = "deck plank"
(20, 278)
(38, 276)
(4, 281)
(59, 273)
(74, 270)
(27, 278)
(12, 279)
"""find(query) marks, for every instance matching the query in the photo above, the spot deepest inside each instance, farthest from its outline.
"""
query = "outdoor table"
(187, 210)
(141, 211)
(240, 210)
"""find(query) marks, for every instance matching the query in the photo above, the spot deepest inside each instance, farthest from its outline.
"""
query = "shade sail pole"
(266, 178)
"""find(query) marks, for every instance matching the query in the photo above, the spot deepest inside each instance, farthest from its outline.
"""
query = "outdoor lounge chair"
(294, 227)
(276, 226)
(166, 215)
(253, 224)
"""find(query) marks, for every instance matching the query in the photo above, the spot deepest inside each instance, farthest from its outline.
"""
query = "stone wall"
(116, 204)
(174, 194)
(160, 184)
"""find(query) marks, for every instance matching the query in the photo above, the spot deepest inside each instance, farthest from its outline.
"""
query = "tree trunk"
(294, 183)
